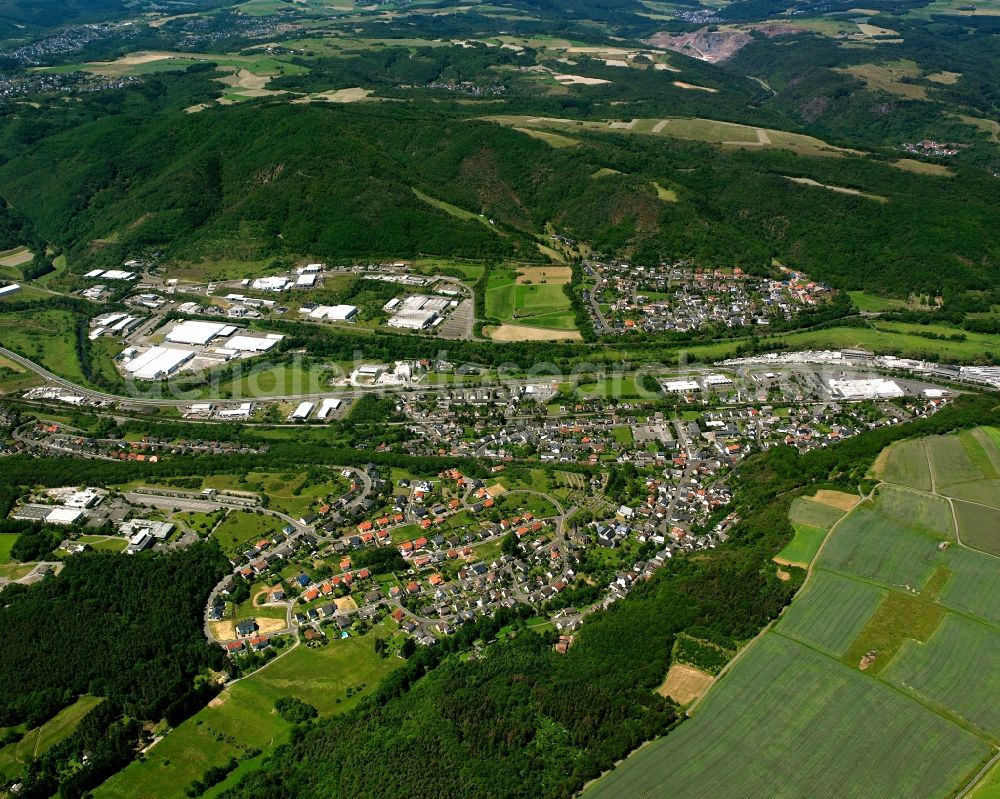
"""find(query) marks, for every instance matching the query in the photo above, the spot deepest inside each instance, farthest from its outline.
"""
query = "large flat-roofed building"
(194, 332)
(302, 412)
(866, 388)
(417, 311)
(118, 274)
(328, 406)
(242, 411)
(335, 313)
(413, 320)
(253, 343)
(270, 283)
(680, 386)
(157, 363)
(64, 516)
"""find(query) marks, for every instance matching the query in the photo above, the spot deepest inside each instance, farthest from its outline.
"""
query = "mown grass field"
(45, 337)
(543, 305)
(789, 721)
(830, 612)
(39, 740)
(242, 527)
(691, 128)
(899, 618)
(243, 718)
(6, 543)
(873, 303)
(804, 545)
(989, 787)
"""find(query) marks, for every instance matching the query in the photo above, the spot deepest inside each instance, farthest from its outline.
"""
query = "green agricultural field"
(790, 721)
(978, 526)
(956, 669)
(901, 617)
(873, 303)
(830, 612)
(950, 461)
(982, 451)
(804, 545)
(985, 492)
(46, 337)
(815, 514)
(36, 742)
(975, 585)
(871, 545)
(989, 440)
(243, 718)
(916, 509)
(534, 304)
(240, 527)
(6, 543)
(905, 463)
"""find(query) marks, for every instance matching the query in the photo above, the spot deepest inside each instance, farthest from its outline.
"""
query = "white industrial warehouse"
(867, 388)
(418, 311)
(194, 332)
(157, 363)
(335, 313)
(243, 343)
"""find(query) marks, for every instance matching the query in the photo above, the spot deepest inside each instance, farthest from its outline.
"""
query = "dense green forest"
(522, 721)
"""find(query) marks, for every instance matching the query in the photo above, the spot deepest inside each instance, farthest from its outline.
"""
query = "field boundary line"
(940, 711)
(978, 778)
(809, 575)
(951, 504)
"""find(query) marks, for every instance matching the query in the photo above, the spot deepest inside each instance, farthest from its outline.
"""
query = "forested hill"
(337, 182)
(127, 629)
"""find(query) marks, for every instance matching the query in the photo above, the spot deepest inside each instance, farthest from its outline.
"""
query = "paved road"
(55, 380)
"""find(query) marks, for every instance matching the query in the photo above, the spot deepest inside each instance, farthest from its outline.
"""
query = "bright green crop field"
(803, 546)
